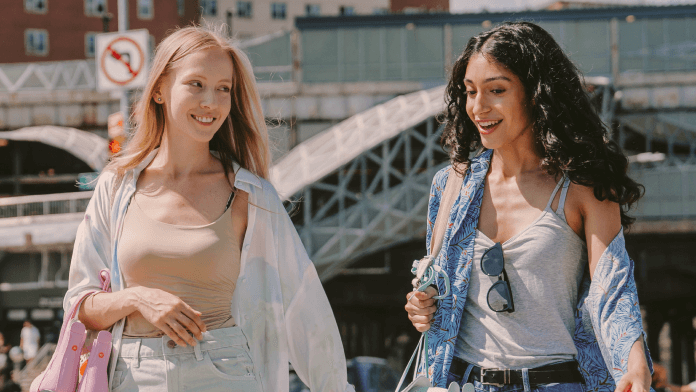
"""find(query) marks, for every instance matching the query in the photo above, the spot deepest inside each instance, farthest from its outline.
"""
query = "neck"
(181, 158)
(516, 158)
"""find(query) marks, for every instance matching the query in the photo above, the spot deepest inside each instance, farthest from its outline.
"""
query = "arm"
(165, 311)
(421, 307)
(601, 223)
(314, 343)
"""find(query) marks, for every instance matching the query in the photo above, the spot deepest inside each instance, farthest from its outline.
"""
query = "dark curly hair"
(569, 134)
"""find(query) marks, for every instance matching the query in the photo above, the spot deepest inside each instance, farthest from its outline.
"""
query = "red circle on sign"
(101, 355)
(74, 348)
(111, 52)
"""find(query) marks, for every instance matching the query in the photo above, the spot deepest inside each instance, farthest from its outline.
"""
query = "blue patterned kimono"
(607, 317)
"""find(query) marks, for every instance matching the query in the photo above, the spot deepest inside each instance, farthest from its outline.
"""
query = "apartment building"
(58, 30)
(252, 18)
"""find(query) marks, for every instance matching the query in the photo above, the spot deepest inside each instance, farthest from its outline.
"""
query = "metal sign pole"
(125, 93)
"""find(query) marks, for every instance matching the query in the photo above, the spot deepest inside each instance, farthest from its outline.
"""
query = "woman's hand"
(421, 308)
(637, 378)
(170, 314)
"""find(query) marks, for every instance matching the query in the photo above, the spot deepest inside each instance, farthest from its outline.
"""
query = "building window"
(90, 44)
(36, 6)
(346, 10)
(313, 10)
(278, 10)
(36, 42)
(95, 7)
(380, 11)
(244, 9)
(208, 7)
(181, 8)
(146, 9)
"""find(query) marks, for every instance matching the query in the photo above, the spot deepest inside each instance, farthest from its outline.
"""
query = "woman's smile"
(204, 120)
(487, 127)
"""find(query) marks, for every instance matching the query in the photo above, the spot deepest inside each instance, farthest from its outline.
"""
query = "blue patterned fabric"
(607, 319)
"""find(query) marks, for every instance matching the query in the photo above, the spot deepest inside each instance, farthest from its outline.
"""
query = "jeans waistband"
(153, 347)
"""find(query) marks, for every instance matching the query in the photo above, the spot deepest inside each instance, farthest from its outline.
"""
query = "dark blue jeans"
(526, 387)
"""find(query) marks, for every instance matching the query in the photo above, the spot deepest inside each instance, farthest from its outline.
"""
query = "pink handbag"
(62, 373)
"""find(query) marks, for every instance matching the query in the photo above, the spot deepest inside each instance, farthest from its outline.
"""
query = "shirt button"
(246, 247)
(246, 317)
(243, 280)
(171, 344)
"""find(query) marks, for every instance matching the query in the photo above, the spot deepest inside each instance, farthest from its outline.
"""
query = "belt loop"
(197, 351)
(467, 373)
(525, 380)
(136, 360)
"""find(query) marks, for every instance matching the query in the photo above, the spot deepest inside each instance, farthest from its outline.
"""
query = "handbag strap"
(105, 280)
(415, 354)
(452, 190)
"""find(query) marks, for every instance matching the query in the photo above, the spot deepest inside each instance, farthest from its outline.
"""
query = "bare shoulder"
(588, 215)
(593, 208)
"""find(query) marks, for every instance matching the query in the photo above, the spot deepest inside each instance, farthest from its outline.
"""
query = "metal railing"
(60, 203)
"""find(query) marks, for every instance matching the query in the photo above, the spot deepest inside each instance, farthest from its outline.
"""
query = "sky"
(467, 6)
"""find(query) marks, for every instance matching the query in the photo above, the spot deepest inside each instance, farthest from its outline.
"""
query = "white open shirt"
(278, 302)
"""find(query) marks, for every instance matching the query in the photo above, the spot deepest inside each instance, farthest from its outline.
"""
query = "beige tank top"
(199, 264)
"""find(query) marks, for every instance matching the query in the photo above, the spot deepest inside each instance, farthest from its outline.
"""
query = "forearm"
(102, 310)
(636, 358)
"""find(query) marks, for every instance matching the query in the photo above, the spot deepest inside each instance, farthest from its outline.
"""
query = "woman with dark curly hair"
(543, 296)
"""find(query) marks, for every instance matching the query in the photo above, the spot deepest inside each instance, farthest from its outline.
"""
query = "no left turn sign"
(122, 60)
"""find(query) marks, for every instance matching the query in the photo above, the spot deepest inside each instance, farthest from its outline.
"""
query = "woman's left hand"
(636, 381)
(638, 377)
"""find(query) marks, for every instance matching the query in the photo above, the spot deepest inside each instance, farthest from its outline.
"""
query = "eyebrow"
(203, 77)
(491, 79)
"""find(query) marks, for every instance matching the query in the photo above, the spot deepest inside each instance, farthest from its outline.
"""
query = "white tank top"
(544, 263)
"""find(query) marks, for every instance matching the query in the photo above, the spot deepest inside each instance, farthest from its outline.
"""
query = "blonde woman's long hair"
(243, 137)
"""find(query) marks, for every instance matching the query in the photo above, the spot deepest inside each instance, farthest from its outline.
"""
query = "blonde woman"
(212, 288)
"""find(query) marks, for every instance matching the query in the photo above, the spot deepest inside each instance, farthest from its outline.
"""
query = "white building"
(252, 18)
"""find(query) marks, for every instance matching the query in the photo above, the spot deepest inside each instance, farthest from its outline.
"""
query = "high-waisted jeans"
(220, 361)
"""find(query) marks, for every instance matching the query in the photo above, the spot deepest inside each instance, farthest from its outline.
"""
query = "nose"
(209, 99)
(479, 104)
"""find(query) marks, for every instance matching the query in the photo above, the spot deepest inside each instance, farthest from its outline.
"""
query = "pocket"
(118, 383)
(230, 363)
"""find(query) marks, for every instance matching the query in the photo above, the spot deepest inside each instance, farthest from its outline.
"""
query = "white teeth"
(489, 123)
(204, 119)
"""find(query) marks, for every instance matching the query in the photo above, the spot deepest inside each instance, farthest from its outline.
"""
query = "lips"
(206, 120)
(487, 127)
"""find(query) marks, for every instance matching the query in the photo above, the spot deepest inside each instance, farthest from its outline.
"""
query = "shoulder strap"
(229, 199)
(561, 203)
(555, 191)
(452, 190)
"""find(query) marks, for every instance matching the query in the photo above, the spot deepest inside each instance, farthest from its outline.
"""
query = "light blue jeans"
(526, 387)
(220, 361)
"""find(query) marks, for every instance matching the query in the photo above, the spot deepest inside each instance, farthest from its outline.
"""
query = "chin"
(489, 143)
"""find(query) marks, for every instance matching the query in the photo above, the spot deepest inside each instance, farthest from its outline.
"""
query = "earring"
(159, 99)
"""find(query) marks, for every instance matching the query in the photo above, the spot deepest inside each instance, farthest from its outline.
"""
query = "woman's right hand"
(170, 314)
(421, 308)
